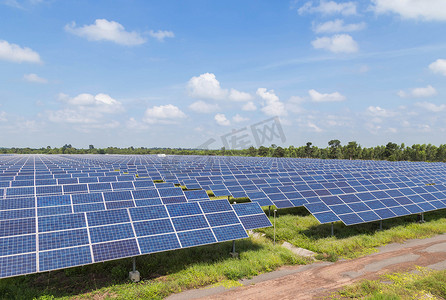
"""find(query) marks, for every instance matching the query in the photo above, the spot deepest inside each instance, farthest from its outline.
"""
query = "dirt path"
(317, 280)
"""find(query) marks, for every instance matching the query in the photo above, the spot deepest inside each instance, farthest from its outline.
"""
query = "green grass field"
(422, 284)
(171, 272)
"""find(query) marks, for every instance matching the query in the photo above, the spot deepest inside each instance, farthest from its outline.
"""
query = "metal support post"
(380, 224)
(134, 275)
(275, 226)
(332, 229)
(233, 253)
(269, 211)
(134, 264)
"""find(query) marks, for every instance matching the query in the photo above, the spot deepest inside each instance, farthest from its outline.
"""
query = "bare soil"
(318, 280)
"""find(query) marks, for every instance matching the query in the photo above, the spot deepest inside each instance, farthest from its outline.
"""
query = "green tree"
(252, 151)
(279, 152)
(352, 150)
(391, 151)
(308, 149)
(335, 148)
(263, 151)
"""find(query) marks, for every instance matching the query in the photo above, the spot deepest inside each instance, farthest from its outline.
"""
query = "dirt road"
(317, 280)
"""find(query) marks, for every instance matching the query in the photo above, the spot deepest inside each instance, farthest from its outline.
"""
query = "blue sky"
(177, 73)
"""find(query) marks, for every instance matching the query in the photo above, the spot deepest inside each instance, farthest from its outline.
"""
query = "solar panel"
(108, 195)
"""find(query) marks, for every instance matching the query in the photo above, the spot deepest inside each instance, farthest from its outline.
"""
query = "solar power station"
(62, 211)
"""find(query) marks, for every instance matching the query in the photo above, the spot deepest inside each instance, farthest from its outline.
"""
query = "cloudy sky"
(178, 73)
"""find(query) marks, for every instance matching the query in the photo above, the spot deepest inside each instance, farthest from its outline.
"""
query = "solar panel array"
(68, 210)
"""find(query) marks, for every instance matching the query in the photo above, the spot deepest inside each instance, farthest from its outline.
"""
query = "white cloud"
(329, 8)
(101, 103)
(338, 26)
(163, 114)
(34, 78)
(438, 66)
(432, 10)
(160, 35)
(339, 43)
(133, 124)
(69, 115)
(294, 104)
(104, 30)
(422, 92)
(206, 86)
(431, 106)
(104, 125)
(314, 127)
(85, 109)
(377, 111)
(238, 118)
(272, 105)
(203, 107)
(249, 106)
(239, 96)
(15, 53)
(3, 116)
(222, 120)
(319, 97)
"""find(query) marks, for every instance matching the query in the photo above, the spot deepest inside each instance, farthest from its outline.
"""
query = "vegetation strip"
(422, 284)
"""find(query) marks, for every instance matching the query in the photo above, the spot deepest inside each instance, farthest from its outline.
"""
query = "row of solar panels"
(46, 243)
(203, 181)
(14, 208)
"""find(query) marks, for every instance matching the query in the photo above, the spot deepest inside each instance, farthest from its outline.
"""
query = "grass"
(172, 272)
(423, 284)
(301, 229)
(163, 273)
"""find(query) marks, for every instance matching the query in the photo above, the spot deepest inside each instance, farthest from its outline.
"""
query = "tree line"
(334, 150)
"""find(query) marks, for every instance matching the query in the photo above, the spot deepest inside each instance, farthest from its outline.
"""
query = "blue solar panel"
(326, 217)
(110, 233)
(145, 194)
(18, 265)
(316, 207)
(148, 213)
(196, 238)
(350, 219)
(255, 221)
(159, 226)
(198, 195)
(54, 210)
(119, 204)
(75, 188)
(17, 214)
(88, 207)
(62, 239)
(231, 232)
(157, 243)
(107, 217)
(17, 227)
(189, 223)
(17, 203)
(245, 209)
(64, 258)
(171, 192)
(116, 249)
(53, 200)
(61, 222)
(117, 196)
(17, 245)
(183, 209)
(223, 218)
